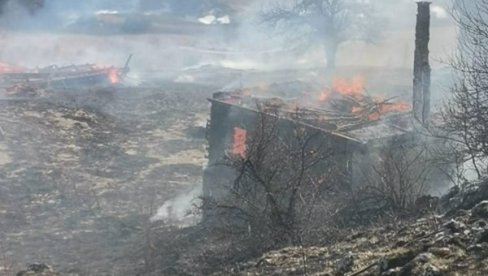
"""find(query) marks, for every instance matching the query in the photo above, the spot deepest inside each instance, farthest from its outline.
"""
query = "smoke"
(257, 46)
(178, 211)
(439, 12)
(167, 37)
(223, 34)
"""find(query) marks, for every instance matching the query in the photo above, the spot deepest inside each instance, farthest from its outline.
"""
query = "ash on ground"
(83, 171)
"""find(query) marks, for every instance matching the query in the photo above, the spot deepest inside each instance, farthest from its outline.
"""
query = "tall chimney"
(421, 79)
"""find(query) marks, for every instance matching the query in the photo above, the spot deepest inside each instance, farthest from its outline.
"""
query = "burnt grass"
(82, 171)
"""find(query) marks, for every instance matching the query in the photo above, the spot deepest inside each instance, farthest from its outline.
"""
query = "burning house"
(344, 116)
(351, 122)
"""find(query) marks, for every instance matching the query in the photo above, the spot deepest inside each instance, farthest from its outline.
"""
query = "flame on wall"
(239, 140)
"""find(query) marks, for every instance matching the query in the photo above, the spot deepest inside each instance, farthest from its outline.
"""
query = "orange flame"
(239, 142)
(389, 107)
(324, 96)
(356, 109)
(399, 106)
(375, 116)
(8, 68)
(354, 87)
(342, 86)
(113, 75)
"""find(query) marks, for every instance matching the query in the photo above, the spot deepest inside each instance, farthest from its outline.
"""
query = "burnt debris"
(18, 79)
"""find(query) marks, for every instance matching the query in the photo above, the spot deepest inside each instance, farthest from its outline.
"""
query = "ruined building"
(16, 78)
(354, 124)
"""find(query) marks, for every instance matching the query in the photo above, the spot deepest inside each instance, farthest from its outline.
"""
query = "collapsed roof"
(354, 116)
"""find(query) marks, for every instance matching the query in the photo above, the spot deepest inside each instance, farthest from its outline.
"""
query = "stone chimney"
(421, 79)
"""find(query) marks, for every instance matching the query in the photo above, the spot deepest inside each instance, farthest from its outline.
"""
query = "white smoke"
(178, 211)
(439, 12)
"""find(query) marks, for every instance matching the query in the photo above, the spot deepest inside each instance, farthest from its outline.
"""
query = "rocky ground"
(455, 243)
(82, 171)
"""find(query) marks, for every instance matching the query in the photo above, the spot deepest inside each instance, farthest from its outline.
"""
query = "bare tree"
(466, 114)
(278, 181)
(399, 175)
(324, 22)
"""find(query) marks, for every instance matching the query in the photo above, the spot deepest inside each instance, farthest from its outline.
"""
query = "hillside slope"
(454, 244)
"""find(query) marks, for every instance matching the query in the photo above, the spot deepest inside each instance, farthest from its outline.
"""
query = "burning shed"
(349, 120)
(352, 124)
